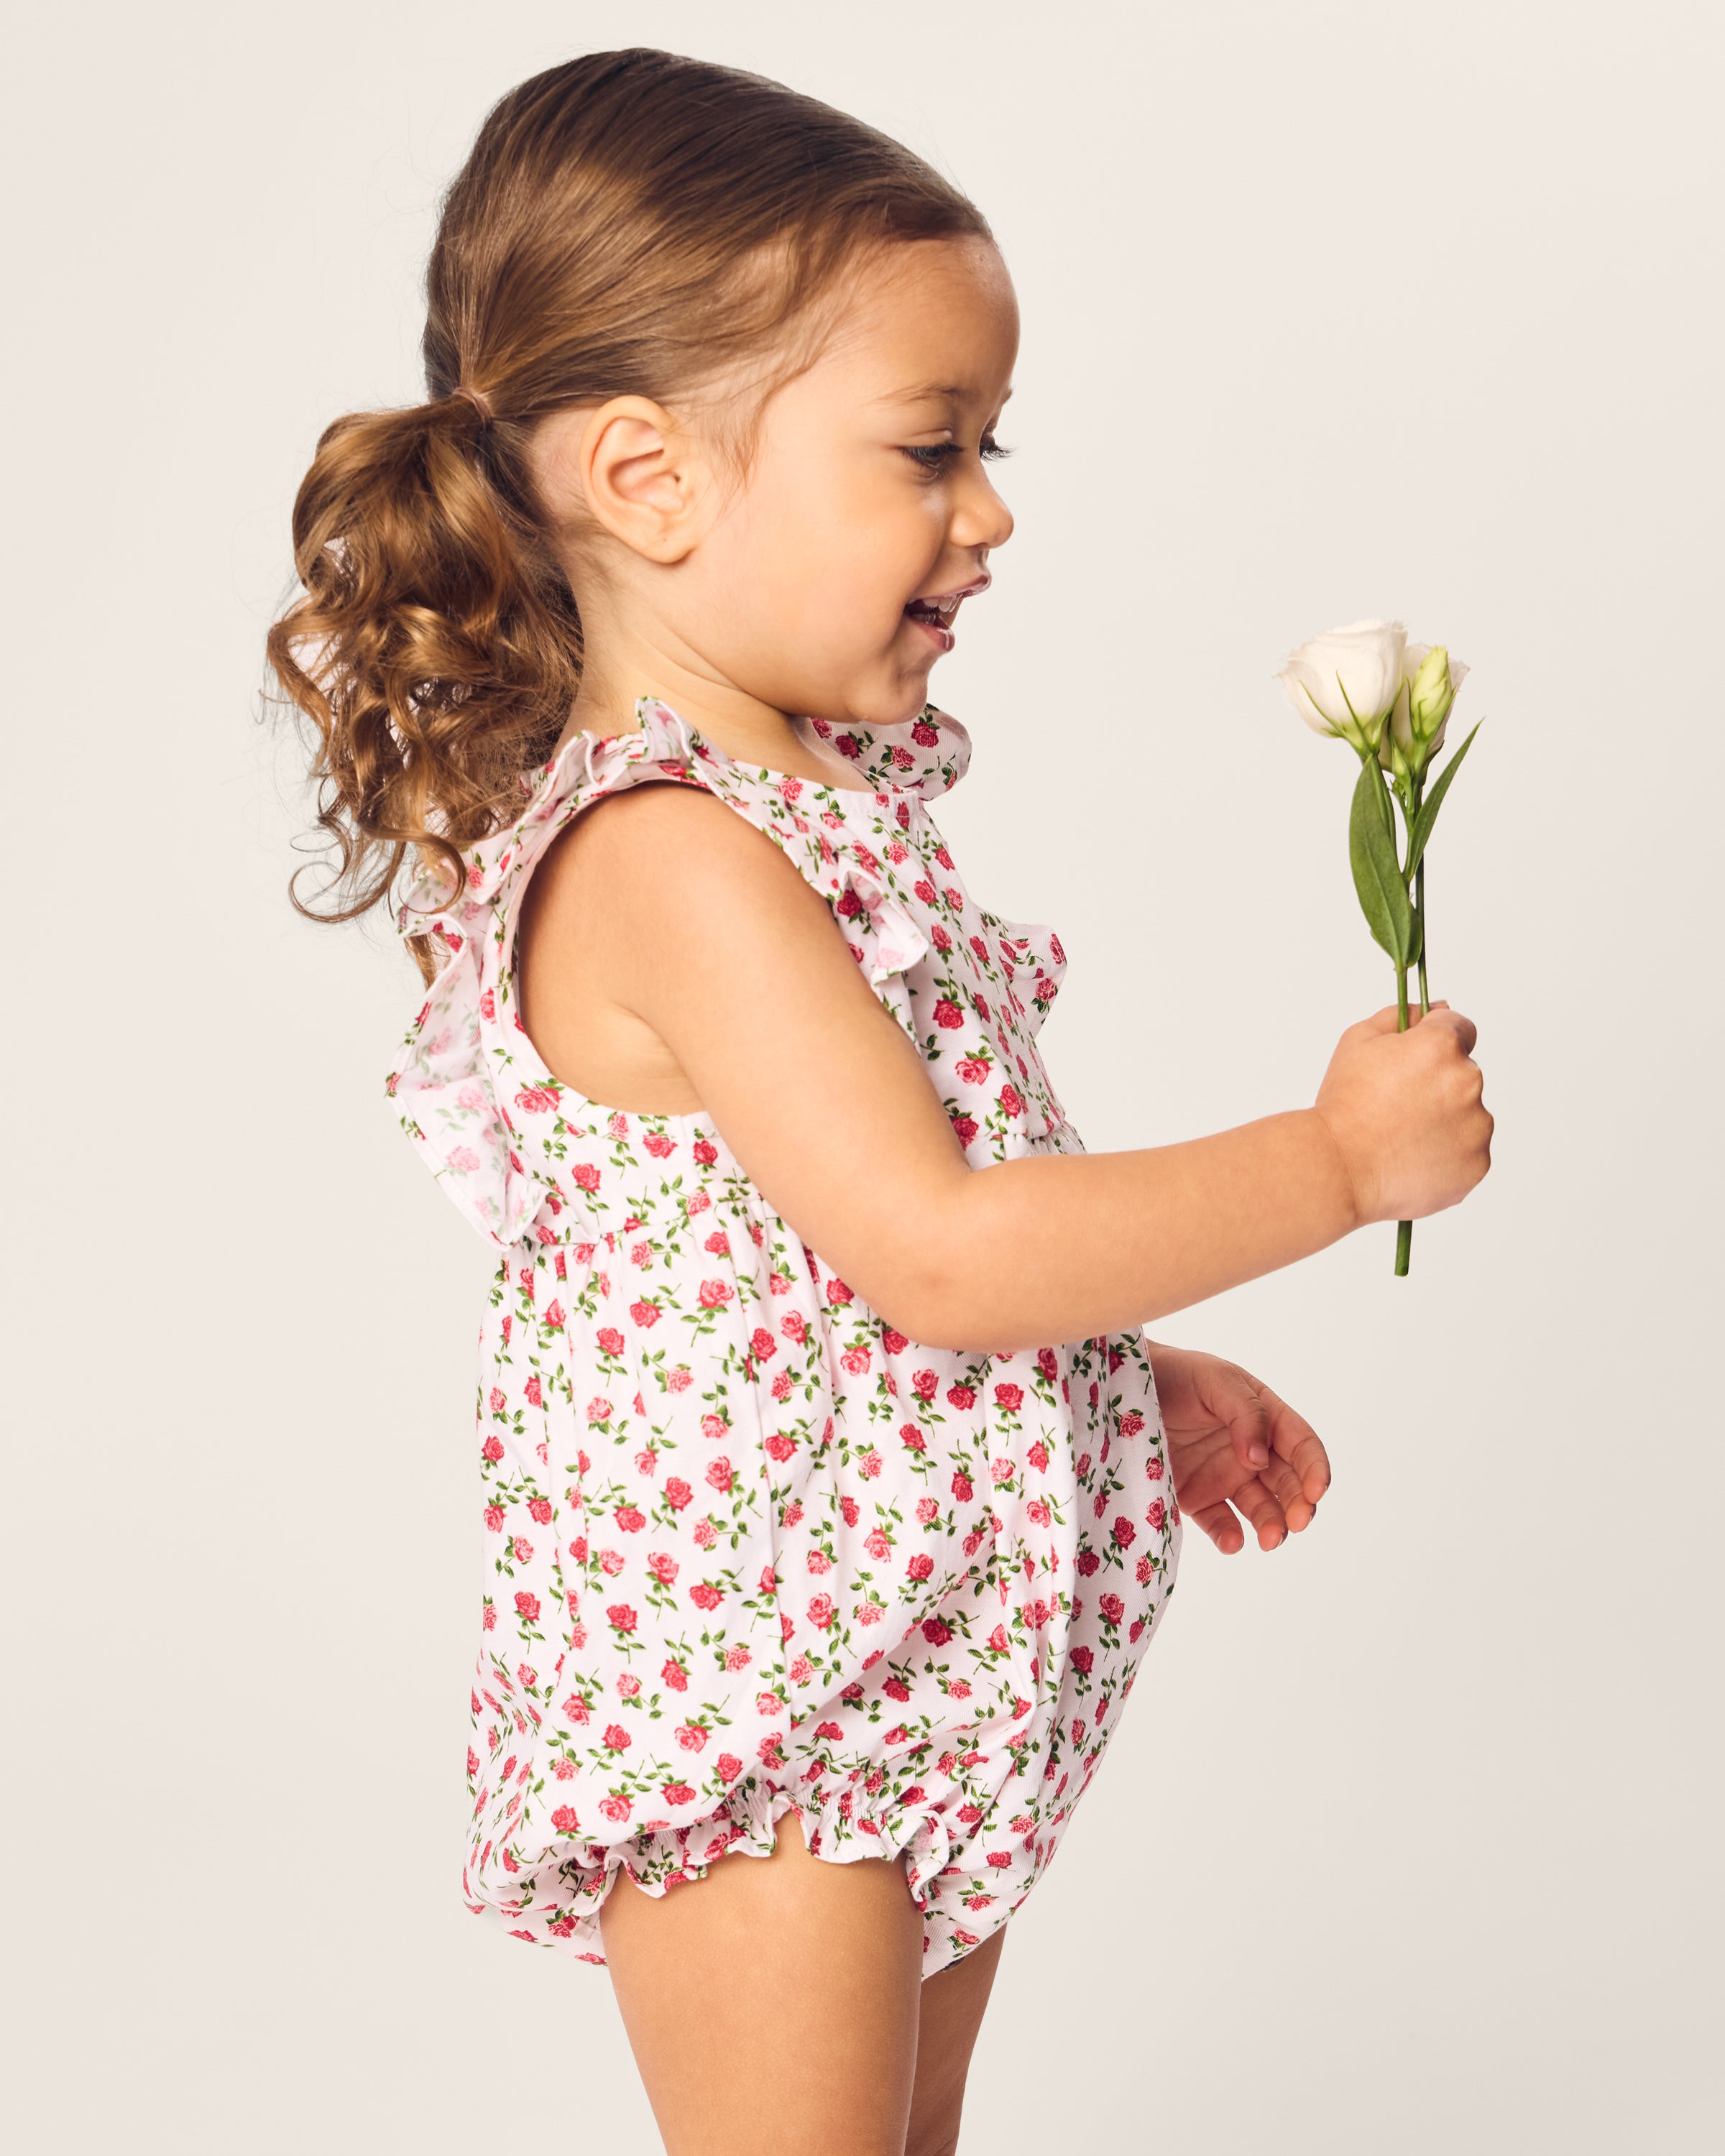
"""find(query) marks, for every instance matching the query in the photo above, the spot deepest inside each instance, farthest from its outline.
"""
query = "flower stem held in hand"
(1390, 702)
(1410, 810)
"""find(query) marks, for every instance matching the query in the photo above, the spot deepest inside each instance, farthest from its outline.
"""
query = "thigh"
(952, 2009)
(772, 2004)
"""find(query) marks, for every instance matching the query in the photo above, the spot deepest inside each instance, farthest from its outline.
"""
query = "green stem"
(1419, 902)
(1416, 789)
(1420, 913)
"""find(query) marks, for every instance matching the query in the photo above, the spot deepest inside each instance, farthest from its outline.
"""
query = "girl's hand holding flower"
(1407, 1113)
(1390, 701)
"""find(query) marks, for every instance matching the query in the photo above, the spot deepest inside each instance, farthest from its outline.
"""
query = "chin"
(890, 707)
(887, 693)
(909, 698)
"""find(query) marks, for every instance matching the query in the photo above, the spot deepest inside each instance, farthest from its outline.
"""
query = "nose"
(980, 518)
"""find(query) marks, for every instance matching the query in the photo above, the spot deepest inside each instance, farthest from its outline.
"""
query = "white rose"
(1344, 682)
(1401, 724)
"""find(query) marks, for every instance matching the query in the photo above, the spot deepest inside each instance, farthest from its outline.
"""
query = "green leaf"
(1433, 802)
(1377, 873)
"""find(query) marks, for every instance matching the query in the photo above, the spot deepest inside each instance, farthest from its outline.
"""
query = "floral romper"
(747, 1548)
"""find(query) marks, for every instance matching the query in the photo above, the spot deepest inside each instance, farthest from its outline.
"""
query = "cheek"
(886, 543)
(852, 572)
(826, 556)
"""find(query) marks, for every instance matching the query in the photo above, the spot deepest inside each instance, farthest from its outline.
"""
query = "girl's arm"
(664, 921)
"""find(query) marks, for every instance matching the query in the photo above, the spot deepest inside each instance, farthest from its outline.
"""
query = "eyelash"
(932, 455)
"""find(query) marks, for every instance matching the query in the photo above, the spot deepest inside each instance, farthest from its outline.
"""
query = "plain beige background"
(1410, 1842)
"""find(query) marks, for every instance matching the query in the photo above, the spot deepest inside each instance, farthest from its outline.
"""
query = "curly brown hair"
(631, 223)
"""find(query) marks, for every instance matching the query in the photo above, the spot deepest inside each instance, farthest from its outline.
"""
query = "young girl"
(828, 1480)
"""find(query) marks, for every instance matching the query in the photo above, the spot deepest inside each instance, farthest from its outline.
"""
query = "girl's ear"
(635, 472)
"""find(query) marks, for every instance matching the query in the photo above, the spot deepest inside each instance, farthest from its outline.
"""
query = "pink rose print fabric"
(747, 1549)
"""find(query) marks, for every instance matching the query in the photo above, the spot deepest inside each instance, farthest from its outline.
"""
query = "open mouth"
(938, 614)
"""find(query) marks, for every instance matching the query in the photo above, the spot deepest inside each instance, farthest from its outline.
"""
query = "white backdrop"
(1337, 309)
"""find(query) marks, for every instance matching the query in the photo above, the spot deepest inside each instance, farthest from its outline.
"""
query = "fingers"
(1285, 1486)
(1233, 1397)
(1386, 1021)
(1264, 1512)
(1299, 1445)
(1219, 1524)
(1249, 1427)
(1261, 1425)
(1465, 1031)
(1275, 1508)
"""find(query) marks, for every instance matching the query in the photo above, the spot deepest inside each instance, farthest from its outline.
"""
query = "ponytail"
(435, 648)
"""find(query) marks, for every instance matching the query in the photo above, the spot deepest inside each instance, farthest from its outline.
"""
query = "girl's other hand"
(1234, 1446)
(1405, 1111)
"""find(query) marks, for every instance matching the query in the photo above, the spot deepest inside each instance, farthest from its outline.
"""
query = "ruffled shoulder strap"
(467, 1047)
(585, 769)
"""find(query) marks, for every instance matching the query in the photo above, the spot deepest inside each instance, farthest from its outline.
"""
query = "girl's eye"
(932, 455)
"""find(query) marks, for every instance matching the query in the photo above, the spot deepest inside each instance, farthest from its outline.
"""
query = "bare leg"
(772, 2005)
(952, 2013)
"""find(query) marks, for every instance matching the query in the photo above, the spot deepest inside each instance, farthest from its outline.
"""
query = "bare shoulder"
(663, 855)
(668, 949)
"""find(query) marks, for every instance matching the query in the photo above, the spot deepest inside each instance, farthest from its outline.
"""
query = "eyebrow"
(953, 392)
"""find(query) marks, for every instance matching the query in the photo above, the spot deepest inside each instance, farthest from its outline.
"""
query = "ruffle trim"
(884, 939)
(555, 1899)
(927, 755)
(1038, 959)
(587, 767)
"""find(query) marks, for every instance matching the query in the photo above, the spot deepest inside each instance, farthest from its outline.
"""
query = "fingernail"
(1258, 1456)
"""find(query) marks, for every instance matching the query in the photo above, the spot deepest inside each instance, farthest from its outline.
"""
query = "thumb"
(1249, 1427)
(1388, 1019)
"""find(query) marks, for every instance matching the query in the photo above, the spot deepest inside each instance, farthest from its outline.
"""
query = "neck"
(746, 729)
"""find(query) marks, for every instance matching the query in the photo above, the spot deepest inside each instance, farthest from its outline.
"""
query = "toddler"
(831, 1490)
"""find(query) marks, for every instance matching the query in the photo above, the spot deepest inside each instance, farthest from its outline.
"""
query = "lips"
(934, 615)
